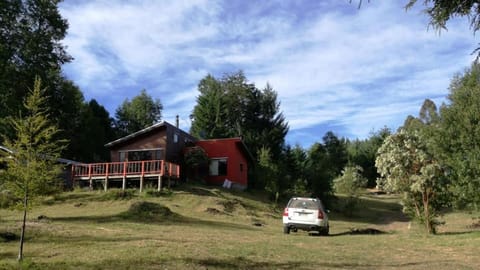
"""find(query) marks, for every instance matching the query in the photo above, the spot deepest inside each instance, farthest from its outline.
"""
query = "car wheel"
(326, 231)
(286, 229)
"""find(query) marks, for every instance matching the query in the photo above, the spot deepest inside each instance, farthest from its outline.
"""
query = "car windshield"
(304, 204)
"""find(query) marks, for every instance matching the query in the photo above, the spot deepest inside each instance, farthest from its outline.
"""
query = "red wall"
(227, 148)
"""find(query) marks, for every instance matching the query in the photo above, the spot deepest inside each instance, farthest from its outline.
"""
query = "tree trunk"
(22, 235)
(426, 213)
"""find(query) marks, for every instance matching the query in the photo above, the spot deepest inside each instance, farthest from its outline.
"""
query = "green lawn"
(208, 228)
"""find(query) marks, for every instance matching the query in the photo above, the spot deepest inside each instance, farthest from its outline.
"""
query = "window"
(122, 156)
(175, 138)
(218, 167)
(138, 155)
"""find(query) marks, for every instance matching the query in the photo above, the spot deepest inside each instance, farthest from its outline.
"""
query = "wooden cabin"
(156, 152)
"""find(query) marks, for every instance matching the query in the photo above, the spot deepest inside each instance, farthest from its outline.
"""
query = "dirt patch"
(230, 206)
(214, 211)
(474, 225)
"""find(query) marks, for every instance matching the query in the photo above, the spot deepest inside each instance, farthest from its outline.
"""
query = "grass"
(196, 227)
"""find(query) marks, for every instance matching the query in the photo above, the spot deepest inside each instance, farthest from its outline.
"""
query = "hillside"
(197, 227)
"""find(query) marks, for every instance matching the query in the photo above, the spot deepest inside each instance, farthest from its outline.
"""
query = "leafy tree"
(350, 183)
(268, 173)
(137, 114)
(459, 137)
(407, 166)
(196, 161)
(31, 32)
(31, 168)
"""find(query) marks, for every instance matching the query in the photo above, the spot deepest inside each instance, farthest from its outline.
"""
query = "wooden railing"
(127, 168)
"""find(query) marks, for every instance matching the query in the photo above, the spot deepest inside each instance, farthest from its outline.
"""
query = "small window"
(218, 167)
(175, 138)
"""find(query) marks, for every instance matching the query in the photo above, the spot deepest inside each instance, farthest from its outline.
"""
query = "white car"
(306, 214)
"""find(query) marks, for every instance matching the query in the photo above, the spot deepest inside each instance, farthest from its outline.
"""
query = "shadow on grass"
(458, 233)
(152, 214)
(222, 263)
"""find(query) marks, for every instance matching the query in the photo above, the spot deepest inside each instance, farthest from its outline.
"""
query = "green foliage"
(459, 137)
(325, 162)
(93, 131)
(364, 152)
(407, 166)
(196, 157)
(137, 114)
(196, 161)
(233, 107)
(30, 45)
(32, 168)
(350, 183)
(268, 173)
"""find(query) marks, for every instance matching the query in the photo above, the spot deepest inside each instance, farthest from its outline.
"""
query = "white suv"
(305, 214)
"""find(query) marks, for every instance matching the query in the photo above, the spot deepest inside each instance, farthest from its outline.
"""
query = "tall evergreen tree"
(31, 168)
(232, 107)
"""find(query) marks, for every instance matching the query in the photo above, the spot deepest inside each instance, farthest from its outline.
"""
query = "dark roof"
(144, 131)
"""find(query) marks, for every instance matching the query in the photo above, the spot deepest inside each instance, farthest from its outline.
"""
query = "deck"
(113, 173)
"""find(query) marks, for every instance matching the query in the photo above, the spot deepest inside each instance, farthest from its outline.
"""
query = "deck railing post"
(90, 181)
(142, 175)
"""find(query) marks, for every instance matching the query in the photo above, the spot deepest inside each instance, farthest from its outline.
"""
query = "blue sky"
(335, 67)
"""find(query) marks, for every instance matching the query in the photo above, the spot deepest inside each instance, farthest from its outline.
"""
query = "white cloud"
(331, 64)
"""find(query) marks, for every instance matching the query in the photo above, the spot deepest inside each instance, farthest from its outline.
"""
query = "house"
(158, 151)
(162, 141)
(229, 160)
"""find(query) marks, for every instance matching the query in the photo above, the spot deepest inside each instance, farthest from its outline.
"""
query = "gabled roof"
(153, 127)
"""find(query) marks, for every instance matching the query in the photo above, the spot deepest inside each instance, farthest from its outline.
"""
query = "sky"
(335, 67)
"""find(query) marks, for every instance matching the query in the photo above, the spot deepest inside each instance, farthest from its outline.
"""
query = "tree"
(350, 183)
(93, 130)
(31, 168)
(364, 152)
(459, 137)
(137, 114)
(268, 173)
(31, 32)
(407, 166)
(210, 114)
(319, 173)
(233, 107)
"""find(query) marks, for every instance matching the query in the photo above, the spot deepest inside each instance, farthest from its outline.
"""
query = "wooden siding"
(153, 140)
